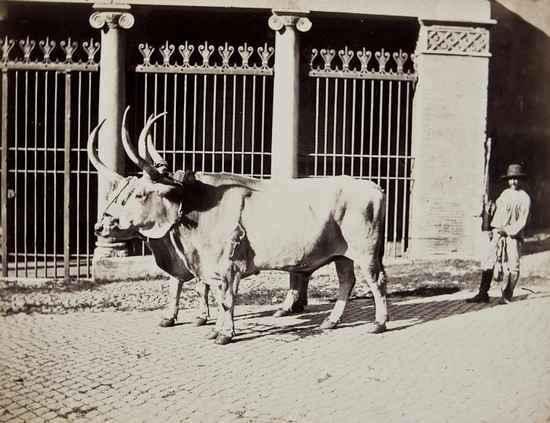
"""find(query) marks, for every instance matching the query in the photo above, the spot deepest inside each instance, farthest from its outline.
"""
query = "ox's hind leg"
(296, 296)
(346, 278)
(375, 276)
(171, 314)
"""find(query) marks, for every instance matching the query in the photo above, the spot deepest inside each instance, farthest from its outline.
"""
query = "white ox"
(225, 232)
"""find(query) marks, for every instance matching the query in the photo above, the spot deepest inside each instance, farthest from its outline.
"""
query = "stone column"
(286, 91)
(449, 124)
(112, 99)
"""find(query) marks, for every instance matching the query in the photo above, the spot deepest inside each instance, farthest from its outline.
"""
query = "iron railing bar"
(184, 138)
(223, 120)
(325, 164)
(26, 156)
(243, 120)
(316, 151)
(35, 235)
(380, 109)
(362, 147)
(335, 120)
(263, 128)
(45, 233)
(4, 188)
(253, 122)
(381, 76)
(174, 119)
(354, 100)
(202, 70)
(164, 110)
(155, 105)
(203, 150)
(195, 122)
(214, 121)
(67, 179)
(145, 96)
(234, 124)
(407, 172)
(40, 66)
(78, 164)
(397, 141)
(88, 202)
(387, 158)
(344, 119)
(371, 126)
(16, 184)
(55, 175)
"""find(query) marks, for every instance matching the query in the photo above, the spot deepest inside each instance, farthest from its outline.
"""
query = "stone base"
(109, 269)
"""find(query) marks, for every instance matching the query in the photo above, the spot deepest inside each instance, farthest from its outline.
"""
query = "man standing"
(508, 222)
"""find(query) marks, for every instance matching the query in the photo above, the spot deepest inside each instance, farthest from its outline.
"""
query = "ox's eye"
(140, 195)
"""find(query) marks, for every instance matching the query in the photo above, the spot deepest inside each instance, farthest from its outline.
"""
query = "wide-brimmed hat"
(514, 171)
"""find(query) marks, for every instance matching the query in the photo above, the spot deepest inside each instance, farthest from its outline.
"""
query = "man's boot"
(485, 284)
(508, 288)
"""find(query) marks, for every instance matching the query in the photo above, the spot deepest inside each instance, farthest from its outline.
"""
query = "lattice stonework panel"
(455, 40)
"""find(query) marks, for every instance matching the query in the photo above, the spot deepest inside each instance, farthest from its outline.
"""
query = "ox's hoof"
(328, 324)
(212, 335)
(166, 323)
(200, 321)
(378, 328)
(281, 313)
(223, 339)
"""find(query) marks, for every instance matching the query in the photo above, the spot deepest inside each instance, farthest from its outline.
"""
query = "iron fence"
(49, 101)
(362, 126)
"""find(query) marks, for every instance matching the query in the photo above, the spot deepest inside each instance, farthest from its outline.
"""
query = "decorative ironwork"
(465, 41)
(253, 61)
(111, 19)
(49, 57)
(390, 66)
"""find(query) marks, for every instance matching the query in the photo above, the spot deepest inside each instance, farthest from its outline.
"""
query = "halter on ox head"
(146, 206)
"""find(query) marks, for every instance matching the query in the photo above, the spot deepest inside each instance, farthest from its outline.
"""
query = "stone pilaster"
(286, 91)
(449, 124)
(111, 21)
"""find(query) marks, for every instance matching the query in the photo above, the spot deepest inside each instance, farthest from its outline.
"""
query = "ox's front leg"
(225, 289)
(296, 296)
(346, 278)
(171, 313)
(204, 308)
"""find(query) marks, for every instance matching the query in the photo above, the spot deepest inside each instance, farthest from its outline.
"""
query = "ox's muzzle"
(106, 226)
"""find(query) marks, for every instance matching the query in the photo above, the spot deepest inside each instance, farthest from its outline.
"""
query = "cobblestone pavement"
(442, 360)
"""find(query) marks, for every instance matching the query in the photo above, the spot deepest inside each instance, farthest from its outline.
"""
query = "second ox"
(225, 232)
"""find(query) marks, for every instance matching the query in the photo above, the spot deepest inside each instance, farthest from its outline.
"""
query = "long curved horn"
(141, 163)
(144, 138)
(153, 153)
(92, 156)
(142, 147)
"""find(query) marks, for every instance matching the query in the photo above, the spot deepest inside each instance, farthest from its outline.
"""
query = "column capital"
(454, 38)
(112, 18)
(283, 18)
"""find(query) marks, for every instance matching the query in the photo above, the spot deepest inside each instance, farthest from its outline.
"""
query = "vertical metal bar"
(316, 153)
(55, 175)
(164, 110)
(388, 156)
(45, 215)
(397, 168)
(214, 123)
(334, 128)
(233, 126)
(35, 151)
(67, 178)
(16, 184)
(194, 121)
(380, 133)
(155, 102)
(4, 171)
(223, 120)
(353, 128)
(243, 120)
(344, 120)
(252, 138)
(184, 138)
(26, 175)
(371, 124)
(407, 174)
(78, 137)
(361, 174)
(263, 127)
(326, 129)
(145, 80)
(204, 87)
(88, 176)
(174, 121)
